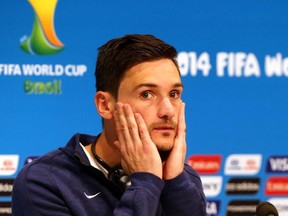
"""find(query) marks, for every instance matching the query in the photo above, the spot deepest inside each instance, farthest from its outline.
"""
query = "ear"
(105, 104)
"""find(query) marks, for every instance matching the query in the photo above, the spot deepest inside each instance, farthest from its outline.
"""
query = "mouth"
(164, 128)
(167, 127)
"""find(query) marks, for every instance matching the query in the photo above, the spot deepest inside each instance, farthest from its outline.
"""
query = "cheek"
(147, 113)
(177, 106)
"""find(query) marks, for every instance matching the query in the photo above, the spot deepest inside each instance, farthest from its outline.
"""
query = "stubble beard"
(164, 148)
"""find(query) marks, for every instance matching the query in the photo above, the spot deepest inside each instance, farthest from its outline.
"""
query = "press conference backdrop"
(233, 57)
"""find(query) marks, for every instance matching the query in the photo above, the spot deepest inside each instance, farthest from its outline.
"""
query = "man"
(136, 165)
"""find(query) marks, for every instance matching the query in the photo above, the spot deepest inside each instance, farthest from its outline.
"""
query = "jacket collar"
(75, 148)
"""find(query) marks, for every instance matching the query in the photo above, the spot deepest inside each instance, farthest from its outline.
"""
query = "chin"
(164, 150)
(164, 144)
(164, 154)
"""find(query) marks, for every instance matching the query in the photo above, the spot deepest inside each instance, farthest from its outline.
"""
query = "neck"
(106, 150)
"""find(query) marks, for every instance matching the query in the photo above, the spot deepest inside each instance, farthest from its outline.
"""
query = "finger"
(131, 125)
(117, 144)
(121, 127)
(118, 128)
(175, 162)
(142, 129)
(181, 130)
(122, 121)
(125, 125)
(180, 139)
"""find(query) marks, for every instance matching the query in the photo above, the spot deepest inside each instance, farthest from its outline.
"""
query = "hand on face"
(174, 164)
(138, 151)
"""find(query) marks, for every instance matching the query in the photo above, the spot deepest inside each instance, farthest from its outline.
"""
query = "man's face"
(154, 90)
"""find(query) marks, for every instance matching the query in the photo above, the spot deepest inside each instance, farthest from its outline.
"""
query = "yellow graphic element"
(45, 12)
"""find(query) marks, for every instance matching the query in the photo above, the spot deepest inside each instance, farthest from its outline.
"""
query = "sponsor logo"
(243, 164)
(43, 39)
(213, 207)
(281, 204)
(277, 164)
(277, 186)
(231, 64)
(43, 70)
(242, 207)
(6, 187)
(91, 196)
(212, 185)
(8, 164)
(205, 164)
(53, 87)
(243, 186)
(29, 159)
(5, 208)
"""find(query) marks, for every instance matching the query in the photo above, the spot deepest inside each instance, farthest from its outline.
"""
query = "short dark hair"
(120, 54)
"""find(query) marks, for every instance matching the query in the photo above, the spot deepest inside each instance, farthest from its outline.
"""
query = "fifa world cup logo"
(43, 39)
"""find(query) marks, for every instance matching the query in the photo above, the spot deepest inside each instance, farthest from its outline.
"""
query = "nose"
(166, 110)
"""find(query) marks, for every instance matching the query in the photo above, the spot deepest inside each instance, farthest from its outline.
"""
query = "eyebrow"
(152, 85)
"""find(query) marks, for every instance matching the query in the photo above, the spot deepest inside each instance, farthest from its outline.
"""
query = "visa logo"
(277, 164)
(213, 207)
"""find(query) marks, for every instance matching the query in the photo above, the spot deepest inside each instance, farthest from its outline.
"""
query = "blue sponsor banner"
(233, 57)
(277, 164)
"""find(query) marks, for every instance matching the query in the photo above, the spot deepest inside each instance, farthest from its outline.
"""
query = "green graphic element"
(38, 43)
(53, 87)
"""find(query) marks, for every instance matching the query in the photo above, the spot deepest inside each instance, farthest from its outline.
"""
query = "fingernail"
(118, 105)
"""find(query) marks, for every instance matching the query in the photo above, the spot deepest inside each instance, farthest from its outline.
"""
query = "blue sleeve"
(35, 193)
(184, 195)
(142, 197)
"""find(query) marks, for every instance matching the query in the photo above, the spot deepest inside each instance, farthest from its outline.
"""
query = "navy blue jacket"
(63, 183)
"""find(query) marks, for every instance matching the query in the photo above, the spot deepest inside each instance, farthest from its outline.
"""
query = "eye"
(146, 95)
(174, 94)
